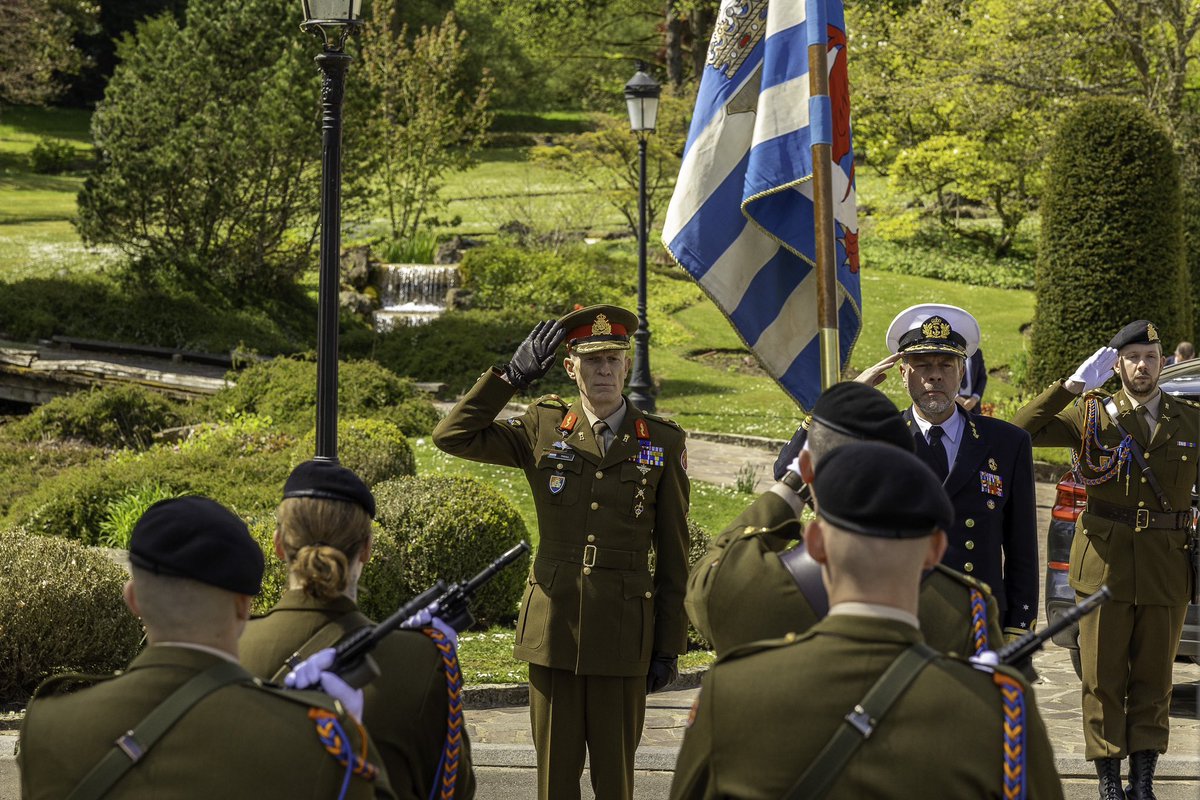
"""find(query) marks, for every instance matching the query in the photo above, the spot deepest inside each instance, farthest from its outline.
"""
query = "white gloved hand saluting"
(1093, 372)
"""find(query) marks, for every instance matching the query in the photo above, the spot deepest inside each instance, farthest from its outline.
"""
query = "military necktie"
(601, 429)
(939, 460)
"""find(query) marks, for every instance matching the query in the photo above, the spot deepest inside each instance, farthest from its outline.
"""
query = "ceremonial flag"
(741, 218)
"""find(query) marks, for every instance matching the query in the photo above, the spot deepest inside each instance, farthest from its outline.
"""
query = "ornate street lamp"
(334, 20)
(641, 95)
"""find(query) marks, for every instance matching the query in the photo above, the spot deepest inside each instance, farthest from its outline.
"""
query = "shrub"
(285, 390)
(242, 471)
(51, 156)
(541, 282)
(275, 574)
(24, 466)
(61, 610)
(415, 417)
(1112, 239)
(374, 449)
(124, 512)
(449, 528)
(123, 416)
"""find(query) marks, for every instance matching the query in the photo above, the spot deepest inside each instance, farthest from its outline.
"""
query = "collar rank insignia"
(641, 429)
(557, 482)
(568, 423)
(514, 422)
(991, 483)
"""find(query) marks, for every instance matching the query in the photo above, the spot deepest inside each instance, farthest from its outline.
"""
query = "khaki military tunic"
(740, 592)
(591, 605)
(766, 710)
(1127, 647)
(241, 741)
(405, 708)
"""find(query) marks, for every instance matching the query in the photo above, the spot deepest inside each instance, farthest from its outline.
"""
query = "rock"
(451, 250)
(356, 302)
(355, 266)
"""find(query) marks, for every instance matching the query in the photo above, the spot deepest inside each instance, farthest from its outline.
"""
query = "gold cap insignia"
(1151, 332)
(936, 328)
(601, 327)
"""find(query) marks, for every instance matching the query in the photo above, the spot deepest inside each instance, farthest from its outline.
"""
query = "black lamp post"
(333, 20)
(641, 95)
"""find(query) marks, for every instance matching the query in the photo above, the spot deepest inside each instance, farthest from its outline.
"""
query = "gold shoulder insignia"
(762, 645)
(1185, 401)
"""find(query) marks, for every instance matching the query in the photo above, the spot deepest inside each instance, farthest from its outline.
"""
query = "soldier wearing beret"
(750, 586)
(185, 719)
(1136, 454)
(986, 464)
(609, 483)
(414, 714)
(790, 717)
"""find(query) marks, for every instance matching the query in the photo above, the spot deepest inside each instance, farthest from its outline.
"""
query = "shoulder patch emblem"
(515, 422)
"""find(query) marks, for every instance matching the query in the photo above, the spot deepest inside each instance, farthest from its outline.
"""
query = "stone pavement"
(503, 749)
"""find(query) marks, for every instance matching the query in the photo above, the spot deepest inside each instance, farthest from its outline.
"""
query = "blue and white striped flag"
(741, 218)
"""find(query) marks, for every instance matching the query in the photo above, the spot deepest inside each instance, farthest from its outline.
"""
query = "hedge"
(374, 449)
(121, 416)
(1111, 247)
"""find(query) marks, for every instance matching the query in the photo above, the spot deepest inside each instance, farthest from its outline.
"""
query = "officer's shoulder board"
(961, 577)
(761, 646)
(306, 698)
(552, 401)
(69, 682)
(663, 420)
(1183, 401)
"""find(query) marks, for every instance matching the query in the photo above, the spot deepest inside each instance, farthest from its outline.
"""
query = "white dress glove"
(1097, 369)
(313, 671)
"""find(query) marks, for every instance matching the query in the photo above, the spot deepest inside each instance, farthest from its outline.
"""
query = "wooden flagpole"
(821, 132)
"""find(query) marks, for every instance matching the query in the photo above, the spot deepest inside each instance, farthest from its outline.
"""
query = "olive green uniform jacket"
(405, 708)
(240, 742)
(740, 592)
(1148, 567)
(766, 710)
(606, 618)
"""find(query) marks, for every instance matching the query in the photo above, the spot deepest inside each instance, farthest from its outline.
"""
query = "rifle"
(1022, 649)
(352, 655)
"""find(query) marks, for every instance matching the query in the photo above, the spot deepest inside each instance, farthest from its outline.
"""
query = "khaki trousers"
(572, 713)
(1127, 652)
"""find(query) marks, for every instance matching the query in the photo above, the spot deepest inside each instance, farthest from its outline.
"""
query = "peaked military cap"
(327, 479)
(858, 410)
(1140, 332)
(874, 489)
(934, 328)
(596, 328)
(194, 537)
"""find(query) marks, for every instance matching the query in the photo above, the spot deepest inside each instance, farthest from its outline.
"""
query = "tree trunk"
(673, 44)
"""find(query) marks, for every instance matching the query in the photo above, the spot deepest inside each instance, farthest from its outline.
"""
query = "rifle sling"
(859, 724)
(327, 635)
(130, 748)
(1138, 455)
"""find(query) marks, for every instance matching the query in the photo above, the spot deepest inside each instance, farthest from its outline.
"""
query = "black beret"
(329, 480)
(1140, 332)
(876, 490)
(858, 410)
(197, 538)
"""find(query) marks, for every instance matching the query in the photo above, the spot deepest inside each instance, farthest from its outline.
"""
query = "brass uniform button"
(649, 595)
(643, 481)
(968, 567)
(595, 506)
(970, 523)
(1184, 458)
(970, 544)
(587, 570)
(1141, 503)
(1143, 480)
(591, 537)
(599, 474)
(558, 466)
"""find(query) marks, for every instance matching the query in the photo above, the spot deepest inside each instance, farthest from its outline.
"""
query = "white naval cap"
(934, 328)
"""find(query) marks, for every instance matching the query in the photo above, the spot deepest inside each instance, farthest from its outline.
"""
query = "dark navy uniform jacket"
(994, 538)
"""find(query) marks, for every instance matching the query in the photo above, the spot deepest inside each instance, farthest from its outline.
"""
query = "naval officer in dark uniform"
(1132, 536)
(609, 482)
(986, 464)
(793, 714)
(185, 720)
(749, 585)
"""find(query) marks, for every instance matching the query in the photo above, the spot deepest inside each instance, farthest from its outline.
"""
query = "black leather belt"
(1139, 518)
(592, 556)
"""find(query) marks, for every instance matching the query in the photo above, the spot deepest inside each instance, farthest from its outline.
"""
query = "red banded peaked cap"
(600, 327)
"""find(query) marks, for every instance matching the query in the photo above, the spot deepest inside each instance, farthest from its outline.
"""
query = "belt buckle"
(589, 555)
(1141, 519)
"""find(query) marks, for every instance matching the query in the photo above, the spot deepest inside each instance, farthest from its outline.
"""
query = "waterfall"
(412, 294)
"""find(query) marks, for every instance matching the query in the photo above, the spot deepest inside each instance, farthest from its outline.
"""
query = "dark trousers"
(1127, 652)
(572, 714)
